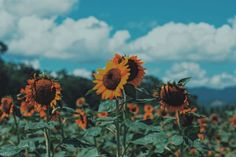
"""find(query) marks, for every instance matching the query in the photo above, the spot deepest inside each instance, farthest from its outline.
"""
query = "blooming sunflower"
(102, 114)
(6, 107)
(233, 121)
(82, 119)
(148, 108)
(43, 91)
(135, 66)
(27, 109)
(111, 80)
(173, 97)
(133, 108)
(80, 101)
(214, 118)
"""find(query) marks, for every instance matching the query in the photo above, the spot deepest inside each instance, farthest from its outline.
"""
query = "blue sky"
(176, 38)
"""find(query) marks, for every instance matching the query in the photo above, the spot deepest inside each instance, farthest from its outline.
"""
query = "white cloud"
(194, 41)
(35, 32)
(82, 73)
(199, 76)
(33, 63)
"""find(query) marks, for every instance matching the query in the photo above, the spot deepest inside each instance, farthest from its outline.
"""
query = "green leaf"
(87, 152)
(11, 150)
(93, 131)
(107, 106)
(176, 140)
(89, 92)
(153, 138)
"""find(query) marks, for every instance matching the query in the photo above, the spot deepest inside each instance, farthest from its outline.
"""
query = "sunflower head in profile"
(173, 97)
(148, 108)
(148, 116)
(42, 90)
(102, 114)
(136, 68)
(81, 118)
(111, 80)
(6, 107)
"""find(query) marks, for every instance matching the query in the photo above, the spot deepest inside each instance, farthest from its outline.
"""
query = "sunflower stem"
(47, 136)
(117, 125)
(16, 124)
(124, 119)
(181, 132)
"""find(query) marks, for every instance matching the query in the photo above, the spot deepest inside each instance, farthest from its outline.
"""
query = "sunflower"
(102, 114)
(82, 119)
(133, 108)
(135, 66)
(148, 108)
(214, 118)
(173, 97)
(201, 136)
(6, 107)
(27, 109)
(42, 91)
(233, 121)
(111, 80)
(148, 115)
(80, 101)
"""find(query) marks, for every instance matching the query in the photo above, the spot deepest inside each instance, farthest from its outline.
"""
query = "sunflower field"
(122, 114)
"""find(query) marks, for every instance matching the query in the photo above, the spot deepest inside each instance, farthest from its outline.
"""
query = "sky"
(175, 38)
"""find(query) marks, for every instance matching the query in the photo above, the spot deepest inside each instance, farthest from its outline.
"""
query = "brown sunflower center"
(133, 66)
(173, 96)
(112, 78)
(44, 91)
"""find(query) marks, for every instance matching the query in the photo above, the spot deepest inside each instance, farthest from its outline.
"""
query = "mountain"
(215, 97)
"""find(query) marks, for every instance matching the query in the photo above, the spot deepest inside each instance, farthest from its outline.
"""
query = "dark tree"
(3, 47)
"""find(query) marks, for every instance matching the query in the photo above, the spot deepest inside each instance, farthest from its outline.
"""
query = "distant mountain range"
(215, 97)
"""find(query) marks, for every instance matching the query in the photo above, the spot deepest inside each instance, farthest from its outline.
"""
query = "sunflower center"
(44, 91)
(174, 96)
(112, 79)
(133, 66)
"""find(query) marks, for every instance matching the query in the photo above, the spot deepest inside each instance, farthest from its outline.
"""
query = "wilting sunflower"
(102, 114)
(80, 101)
(111, 80)
(6, 107)
(148, 108)
(43, 91)
(135, 66)
(27, 109)
(173, 97)
(82, 118)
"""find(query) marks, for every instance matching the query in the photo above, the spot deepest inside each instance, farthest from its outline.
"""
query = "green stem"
(117, 125)
(61, 126)
(181, 133)
(16, 124)
(47, 136)
(124, 120)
